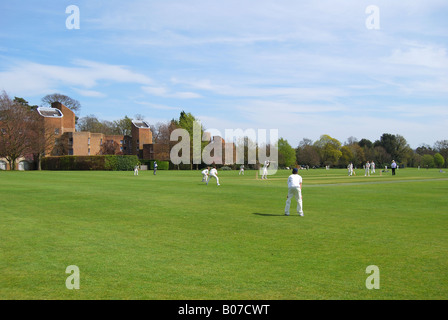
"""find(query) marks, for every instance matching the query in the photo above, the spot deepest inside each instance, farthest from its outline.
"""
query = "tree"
(186, 121)
(307, 154)
(428, 161)
(123, 126)
(24, 103)
(110, 147)
(346, 156)
(329, 149)
(439, 161)
(70, 103)
(396, 146)
(425, 149)
(382, 158)
(15, 123)
(442, 148)
(161, 136)
(286, 154)
(358, 155)
(365, 143)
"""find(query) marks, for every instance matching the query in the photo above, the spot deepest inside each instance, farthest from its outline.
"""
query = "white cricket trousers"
(294, 193)
(216, 177)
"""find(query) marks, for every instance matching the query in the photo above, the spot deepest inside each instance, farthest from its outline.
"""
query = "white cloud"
(165, 92)
(35, 78)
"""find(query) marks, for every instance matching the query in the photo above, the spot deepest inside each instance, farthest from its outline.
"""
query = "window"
(88, 141)
(101, 142)
(121, 141)
(70, 152)
(89, 152)
(56, 131)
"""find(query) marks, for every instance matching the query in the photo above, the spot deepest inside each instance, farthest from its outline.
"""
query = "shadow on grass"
(269, 214)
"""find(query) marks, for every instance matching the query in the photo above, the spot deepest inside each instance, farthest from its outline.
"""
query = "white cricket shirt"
(294, 181)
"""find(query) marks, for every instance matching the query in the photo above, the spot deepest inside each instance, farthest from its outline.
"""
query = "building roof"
(141, 124)
(50, 112)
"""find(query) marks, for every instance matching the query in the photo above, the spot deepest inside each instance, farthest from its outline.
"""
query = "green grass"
(172, 237)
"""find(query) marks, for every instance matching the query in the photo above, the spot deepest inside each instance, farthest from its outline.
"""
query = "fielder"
(213, 173)
(294, 190)
(205, 174)
(241, 170)
(136, 171)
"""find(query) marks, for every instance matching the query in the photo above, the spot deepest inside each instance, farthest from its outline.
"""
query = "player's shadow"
(269, 214)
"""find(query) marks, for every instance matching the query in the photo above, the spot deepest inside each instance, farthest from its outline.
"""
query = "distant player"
(367, 173)
(372, 167)
(241, 170)
(136, 170)
(213, 173)
(155, 167)
(265, 170)
(393, 166)
(205, 174)
(294, 190)
(350, 169)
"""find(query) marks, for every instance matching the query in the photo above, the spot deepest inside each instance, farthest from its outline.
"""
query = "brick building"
(60, 121)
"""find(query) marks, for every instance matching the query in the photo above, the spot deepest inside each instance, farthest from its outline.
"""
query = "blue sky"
(306, 68)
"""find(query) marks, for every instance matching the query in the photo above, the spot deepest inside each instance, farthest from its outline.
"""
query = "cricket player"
(350, 169)
(265, 170)
(372, 166)
(155, 167)
(213, 173)
(294, 190)
(367, 173)
(136, 170)
(205, 174)
(241, 170)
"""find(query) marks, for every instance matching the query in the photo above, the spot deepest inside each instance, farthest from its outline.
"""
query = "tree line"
(328, 151)
(23, 135)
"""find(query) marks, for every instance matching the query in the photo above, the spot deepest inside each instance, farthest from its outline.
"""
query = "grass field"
(172, 237)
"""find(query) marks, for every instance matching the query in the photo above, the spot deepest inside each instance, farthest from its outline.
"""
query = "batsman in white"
(213, 173)
(265, 170)
(294, 190)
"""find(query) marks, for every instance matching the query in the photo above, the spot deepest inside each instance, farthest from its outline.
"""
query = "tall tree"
(307, 153)
(329, 149)
(286, 154)
(123, 126)
(186, 121)
(15, 124)
(441, 147)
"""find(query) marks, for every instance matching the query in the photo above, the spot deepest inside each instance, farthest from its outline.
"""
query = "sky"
(305, 68)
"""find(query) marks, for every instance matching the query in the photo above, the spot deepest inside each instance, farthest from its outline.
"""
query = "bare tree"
(15, 124)
(70, 103)
(110, 147)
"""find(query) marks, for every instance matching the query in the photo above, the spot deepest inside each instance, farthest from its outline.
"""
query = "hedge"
(161, 165)
(105, 162)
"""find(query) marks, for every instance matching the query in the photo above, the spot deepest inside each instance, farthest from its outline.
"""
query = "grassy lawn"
(170, 236)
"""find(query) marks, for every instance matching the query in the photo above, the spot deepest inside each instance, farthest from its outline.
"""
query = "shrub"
(107, 162)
